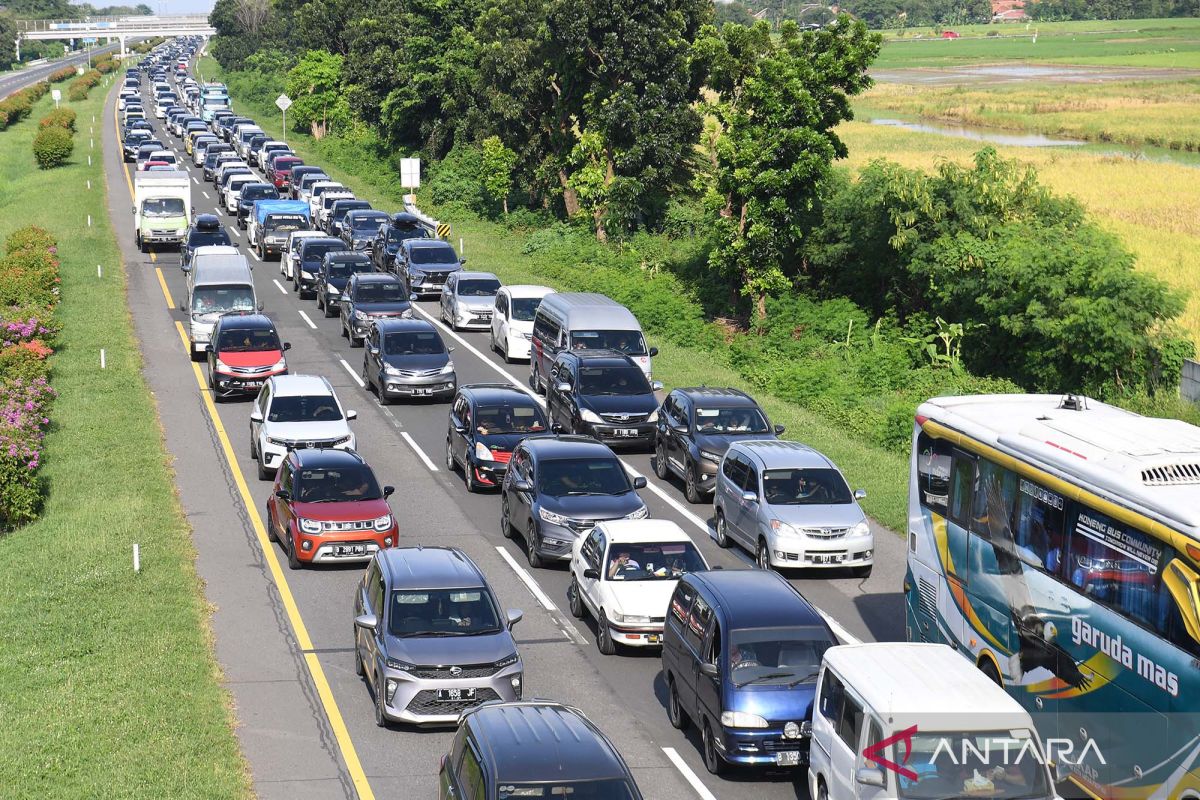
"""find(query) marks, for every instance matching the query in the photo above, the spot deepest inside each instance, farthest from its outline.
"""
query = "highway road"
(14, 81)
(284, 639)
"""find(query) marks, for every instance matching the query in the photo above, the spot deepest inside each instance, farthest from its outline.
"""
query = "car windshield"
(342, 211)
(163, 207)
(207, 238)
(562, 477)
(613, 380)
(433, 255)
(304, 408)
(343, 484)
(491, 420)
(315, 251)
(260, 193)
(773, 656)
(1000, 765)
(402, 234)
(478, 287)
(367, 223)
(603, 789)
(630, 343)
(248, 340)
(805, 487)
(222, 299)
(647, 561)
(380, 293)
(413, 343)
(712, 421)
(340, 269)
(523, 308)
(285, 222)
(442, 612)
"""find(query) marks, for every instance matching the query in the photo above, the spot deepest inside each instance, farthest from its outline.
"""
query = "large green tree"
(314, 85)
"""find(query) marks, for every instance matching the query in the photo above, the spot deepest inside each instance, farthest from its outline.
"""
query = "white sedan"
(512, 321)
(623, 574)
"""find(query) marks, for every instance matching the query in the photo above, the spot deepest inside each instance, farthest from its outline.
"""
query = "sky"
(164, 6)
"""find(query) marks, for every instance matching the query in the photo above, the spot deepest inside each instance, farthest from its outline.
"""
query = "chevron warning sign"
(443, 230)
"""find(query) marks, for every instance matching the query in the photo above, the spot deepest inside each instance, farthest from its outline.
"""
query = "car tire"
(253, 449)
(660, 460)
(377, 691)
(451, 461)
(862, 573)
(330, 311)
(574, 599)
(506, 528)
(294, 561)
(712, 759)
(360, 669)
(989, 669)
(263, 473)
(604, 640)
(690, 490)
(722, 534)
(535, 380)
(473, 486)
(675, 713)
(762, 555)
(271, 535)
(531, 553)
(822, 790)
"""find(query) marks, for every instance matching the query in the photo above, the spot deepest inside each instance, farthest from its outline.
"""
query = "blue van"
(741, 654)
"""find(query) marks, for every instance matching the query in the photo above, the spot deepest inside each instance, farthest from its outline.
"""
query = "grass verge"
(496, 248)
(108, 685)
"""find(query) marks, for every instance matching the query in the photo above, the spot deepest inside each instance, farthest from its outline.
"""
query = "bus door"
(952, 543)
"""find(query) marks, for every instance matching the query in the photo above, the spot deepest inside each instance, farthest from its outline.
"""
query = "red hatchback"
(245, 350)
(280, 171)
(328, 508)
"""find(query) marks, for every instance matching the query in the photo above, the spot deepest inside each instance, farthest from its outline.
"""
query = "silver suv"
(430, 638)
(790, 506)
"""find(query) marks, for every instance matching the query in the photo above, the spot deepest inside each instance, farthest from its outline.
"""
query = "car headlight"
(360, 315)
(641, 513)
(630, 618)
(304, 273)
(713, 457)
(280, 364)
(278, 442)
(309, 525)
(220, 365)
(407, 314)
(446, 370)
(587, 415)
(415, 274)
(653, 416)
(332, 289)
(403, 666)
(783, 529)
(383, 523)
(390, 370)
(483, 453)
(508, 661)
(740, 719)
(552, 518)
(344, 440)
(861, 529)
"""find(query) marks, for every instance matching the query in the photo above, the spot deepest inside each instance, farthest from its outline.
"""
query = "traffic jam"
(704, 552)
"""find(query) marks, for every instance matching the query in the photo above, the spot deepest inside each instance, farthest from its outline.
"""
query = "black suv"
(367, 298)
(338, 212)
(696, 427)
(604, 394)
(250, 193)
(488, 420)
(336, 269)
(558, 487)
(387, 241)
(205, 230)
(559, 753)
(310, 254)
(360, 226)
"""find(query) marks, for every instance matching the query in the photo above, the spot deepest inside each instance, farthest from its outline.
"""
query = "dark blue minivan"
(741, 653)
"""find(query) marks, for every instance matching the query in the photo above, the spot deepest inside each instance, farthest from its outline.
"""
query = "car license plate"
(653, 638)
(423, 392)
(627, 432)
(834, 559)
(253, 384)
(456, 695)
(787, 758)
(350, 550)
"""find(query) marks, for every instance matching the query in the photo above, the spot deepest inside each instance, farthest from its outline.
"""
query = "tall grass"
(108, 685)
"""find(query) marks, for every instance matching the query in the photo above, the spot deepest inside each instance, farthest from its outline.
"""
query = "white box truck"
(162, 208)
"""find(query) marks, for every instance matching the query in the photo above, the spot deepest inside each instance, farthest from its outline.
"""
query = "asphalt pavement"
(14, 81)
(285, 639)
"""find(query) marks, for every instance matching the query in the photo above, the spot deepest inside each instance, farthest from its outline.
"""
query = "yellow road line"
(153, 256)
(349, 755)
(166, 292)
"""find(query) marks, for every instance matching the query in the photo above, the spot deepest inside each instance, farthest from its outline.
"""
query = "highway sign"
(283, 102)
(410, 173)
(443, 230)
(56, 95)
(90, 41)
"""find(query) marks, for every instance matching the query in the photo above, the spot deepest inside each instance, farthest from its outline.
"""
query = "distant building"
(1008, 11)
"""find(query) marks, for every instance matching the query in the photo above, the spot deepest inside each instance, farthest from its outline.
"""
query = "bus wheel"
(989, 669)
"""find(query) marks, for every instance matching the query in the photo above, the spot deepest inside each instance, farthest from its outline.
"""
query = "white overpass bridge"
(112, 29)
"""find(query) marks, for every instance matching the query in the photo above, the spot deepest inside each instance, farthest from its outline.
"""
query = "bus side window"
(1040, 527)
(933, 471)
(1116, 565)
(992, 511)
(962, 488)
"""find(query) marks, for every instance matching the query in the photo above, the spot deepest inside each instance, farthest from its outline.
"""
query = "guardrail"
(438, 230)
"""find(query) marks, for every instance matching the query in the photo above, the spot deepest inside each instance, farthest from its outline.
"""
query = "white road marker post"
(102, 366)
(137, 557)
(99, 271)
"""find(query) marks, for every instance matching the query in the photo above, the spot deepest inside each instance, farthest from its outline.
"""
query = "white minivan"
(946, 729)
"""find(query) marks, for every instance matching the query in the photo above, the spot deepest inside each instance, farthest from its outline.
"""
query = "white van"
(583, 321)
(949, 730)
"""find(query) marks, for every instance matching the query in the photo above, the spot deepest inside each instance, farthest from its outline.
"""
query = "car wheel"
(263, 473)
(574, 600)
(531, 553)
(690, 490)
(535, 380)
(822, 790)
(141, 245)
(762, 555)
(675, 713)
(330, 311)
(378, 690)
(660, 460)
(712, 759)
(504, 352)
(356, 341)
(253, 449)
(473, 486)
(271, 535)
(604, 640)
(862, 572)
(360, 669)
(506, 528)
(722, 533)
(451, 462)
(293, 557)
(345, 333)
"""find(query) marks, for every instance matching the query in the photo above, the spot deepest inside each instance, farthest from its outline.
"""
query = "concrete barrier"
(1189, 382)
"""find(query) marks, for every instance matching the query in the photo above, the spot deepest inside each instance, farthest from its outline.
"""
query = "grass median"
(108, 684)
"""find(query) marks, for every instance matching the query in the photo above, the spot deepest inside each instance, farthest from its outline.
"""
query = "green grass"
(108, 684)
(495, 248)
(1171, 43)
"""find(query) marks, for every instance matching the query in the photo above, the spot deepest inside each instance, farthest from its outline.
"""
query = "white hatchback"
(623, 574)
(294, 411)
(512, 320)
(289, 259)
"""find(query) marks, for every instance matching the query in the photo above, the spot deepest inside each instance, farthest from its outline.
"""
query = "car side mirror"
(256, 416)
(368, 622)
(514, 615)
(750, 497)
(681, 429)
(656, 385)
(261, 307)
(283, 494)
(351, 415)
(639, 482)
(412, 298)
(388, 491)
(462, 260)
(556, 427)
(860, 494)
(373, 351)
(208, 348)
(563, 387)
(653, 352)
(779, 429)
(287, 345)
(459, 428)
(869, 777)
(591, 573)
(182, 308)
(520, 485)
(451, 349)
(711, 670)
(133, 210)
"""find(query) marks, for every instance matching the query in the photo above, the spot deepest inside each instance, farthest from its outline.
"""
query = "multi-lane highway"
(284, 639)
(11, 82)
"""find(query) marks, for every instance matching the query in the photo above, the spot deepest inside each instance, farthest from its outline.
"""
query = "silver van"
(583, 321)
(218, 283)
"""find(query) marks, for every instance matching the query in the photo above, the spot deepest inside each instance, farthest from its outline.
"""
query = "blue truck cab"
(272, 221)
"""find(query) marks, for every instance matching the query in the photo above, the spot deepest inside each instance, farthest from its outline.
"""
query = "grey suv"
(430, 638)
(558, 487)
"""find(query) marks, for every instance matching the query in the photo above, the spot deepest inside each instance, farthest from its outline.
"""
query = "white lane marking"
(837, 627)
(279, 285)
(354, 375)
(206, 197)
(255, 254)
(195, 180)
(235, 231)
(688, 775)
(305, 317)
(544, 599)
(420, 453)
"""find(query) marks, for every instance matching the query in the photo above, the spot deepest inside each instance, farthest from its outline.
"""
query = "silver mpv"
(430, 638)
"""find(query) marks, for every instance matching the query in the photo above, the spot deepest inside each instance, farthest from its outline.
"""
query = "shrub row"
(64, 74)
(29, 291)
(79, 88)
(55, 140)
(18, 105)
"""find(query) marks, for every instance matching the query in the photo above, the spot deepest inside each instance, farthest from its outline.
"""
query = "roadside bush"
(52, 147)
(79, 88)
(60, 75)
(30, 237)
(61, 117)
(24, 407)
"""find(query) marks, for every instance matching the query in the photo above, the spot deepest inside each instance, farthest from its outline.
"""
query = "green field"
(108, 685)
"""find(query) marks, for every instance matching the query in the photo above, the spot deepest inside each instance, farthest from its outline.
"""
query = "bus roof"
(1147, 463)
